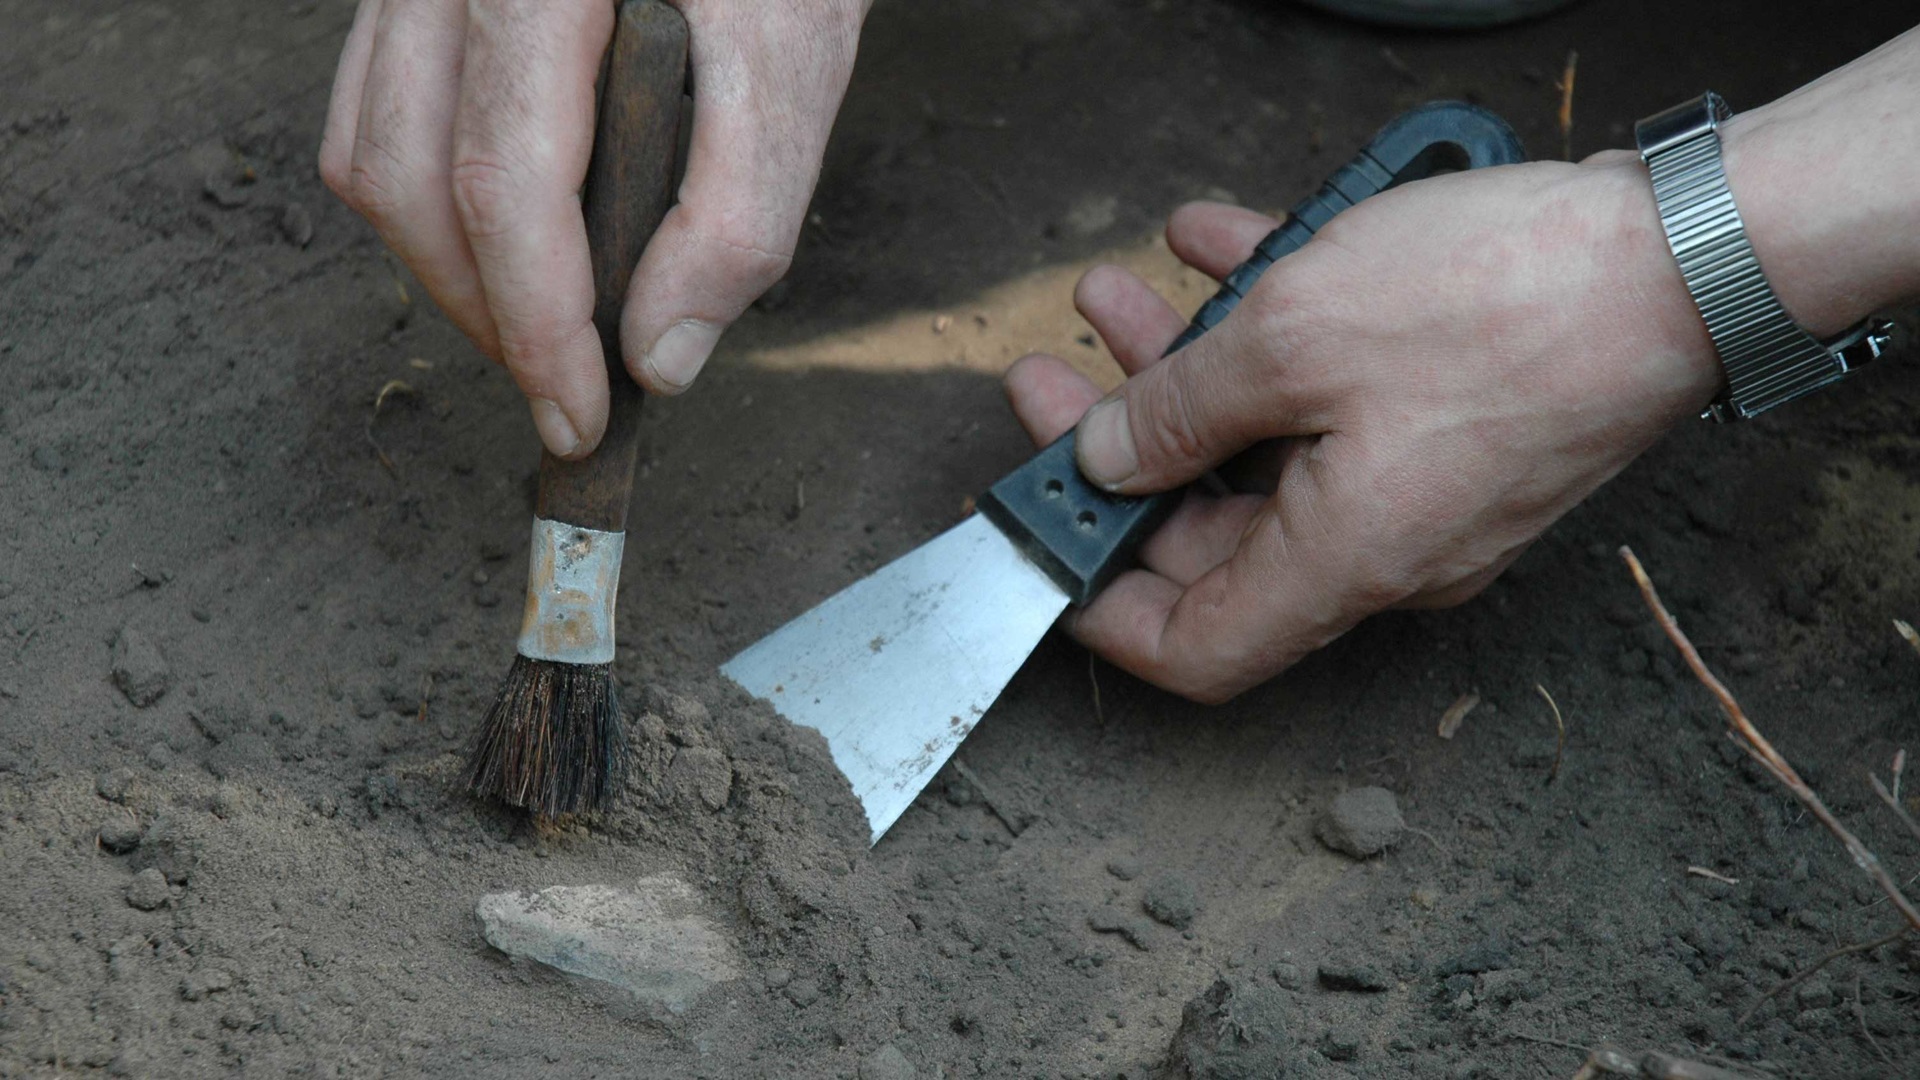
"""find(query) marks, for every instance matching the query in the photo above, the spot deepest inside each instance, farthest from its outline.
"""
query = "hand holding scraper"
(897, 668)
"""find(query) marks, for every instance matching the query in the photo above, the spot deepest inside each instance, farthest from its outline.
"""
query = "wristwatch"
(1768, 358)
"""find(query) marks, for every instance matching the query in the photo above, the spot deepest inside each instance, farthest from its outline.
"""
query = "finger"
(1136, 323)
(403, 152)
(1213, 238)
(1199, 536)
(1276, 599)
(1188, 413)
(522, 135)
(766, 86)
(1048, 396)
(343, 105)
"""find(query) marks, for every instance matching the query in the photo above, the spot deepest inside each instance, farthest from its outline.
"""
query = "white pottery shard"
(651, 938)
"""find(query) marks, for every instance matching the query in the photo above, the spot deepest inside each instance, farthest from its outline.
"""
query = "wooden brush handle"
(629, 188)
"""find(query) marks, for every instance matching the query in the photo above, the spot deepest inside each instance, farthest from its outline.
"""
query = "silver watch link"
(1767, 357)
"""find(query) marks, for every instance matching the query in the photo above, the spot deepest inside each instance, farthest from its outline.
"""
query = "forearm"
(1825, 179)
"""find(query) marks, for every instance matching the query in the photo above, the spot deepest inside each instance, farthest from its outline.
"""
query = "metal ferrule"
(573, 578)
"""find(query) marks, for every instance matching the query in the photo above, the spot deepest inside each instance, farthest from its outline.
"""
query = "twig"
(1566, 105)
(392, 387)
(1456, 713)
(1093, 677)
(1899, 766)
(1907, 631)
(426, 695)
(1763, 752)
(1016, 820)
(1701, 871)
(1860, 1014)
(1893, 804)
(1796, 980)
(1560, 733)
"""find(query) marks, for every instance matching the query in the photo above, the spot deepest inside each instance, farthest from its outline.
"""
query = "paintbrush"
(554, 740)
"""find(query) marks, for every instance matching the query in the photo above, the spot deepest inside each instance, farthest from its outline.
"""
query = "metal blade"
(896, 668)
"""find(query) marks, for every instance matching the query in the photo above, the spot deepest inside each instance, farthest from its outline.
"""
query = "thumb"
(1186, 414)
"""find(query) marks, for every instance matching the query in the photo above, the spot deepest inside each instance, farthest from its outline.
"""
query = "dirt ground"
(192, 339)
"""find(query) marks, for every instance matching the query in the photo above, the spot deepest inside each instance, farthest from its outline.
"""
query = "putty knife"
(898, 667)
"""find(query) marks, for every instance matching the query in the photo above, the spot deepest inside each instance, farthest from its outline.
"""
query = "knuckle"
(1173, 430)
(756, 259)
(485, 194)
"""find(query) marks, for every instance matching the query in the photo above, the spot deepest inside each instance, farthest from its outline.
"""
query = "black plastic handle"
(1082, 536)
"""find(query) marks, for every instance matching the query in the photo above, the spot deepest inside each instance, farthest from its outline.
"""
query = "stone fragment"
(1338, 1046)
(1236, 1030)
(1111, 920)
(803, 992)
(1288, 976)
(159, 757)
(242, 752)
(1491, 954)
(703, 773)
(1170, 900)
(203, 981)
(1124, 867)
(139, 670)
(296, 225)
(170, 847)
(120, 835)
(1361, 822)
(651, 939)
(112, 785)
(1357, 978)
(148, 890)
(886, 1063)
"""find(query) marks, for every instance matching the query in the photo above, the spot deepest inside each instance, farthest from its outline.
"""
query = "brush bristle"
(554, 741)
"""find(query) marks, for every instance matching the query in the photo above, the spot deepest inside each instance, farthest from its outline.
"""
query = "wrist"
(1664, 337)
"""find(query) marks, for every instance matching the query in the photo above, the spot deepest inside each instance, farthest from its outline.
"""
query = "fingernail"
(556, 431)
(681, 352)
(1105, 445)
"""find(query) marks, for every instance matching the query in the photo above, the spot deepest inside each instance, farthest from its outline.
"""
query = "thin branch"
(1844, 950)
(1560, 733)
(1762, 751)
(1893, 804)
(1860, 1014)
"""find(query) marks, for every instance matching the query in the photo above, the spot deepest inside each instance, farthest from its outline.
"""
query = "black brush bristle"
(554, 741)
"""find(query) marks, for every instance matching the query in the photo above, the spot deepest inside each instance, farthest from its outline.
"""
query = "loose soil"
(245, 854)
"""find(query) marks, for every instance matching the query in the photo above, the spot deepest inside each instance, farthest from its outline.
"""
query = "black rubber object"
(1082, 536)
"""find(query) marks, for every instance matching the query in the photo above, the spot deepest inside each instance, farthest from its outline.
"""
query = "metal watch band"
(1768, 358)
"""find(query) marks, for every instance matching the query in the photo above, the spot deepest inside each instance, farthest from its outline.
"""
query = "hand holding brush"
(553, 741)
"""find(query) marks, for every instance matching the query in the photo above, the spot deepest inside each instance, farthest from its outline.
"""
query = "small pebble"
(1126, 867)
(113, 784)
(778, 978)
(148, 889)
(296, 225)
(159, 756)
(886, 1063)
(1171, 900)
(120, 835)
(1361, 822)
(1357, 978)
(198, 984)
(803, 992)
(139, 670)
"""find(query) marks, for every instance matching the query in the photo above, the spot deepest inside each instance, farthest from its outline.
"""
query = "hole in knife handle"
(1087, 519)
(1055, 488)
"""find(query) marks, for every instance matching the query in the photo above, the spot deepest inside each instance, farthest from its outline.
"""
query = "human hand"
(461, 129)
(1427, 385)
